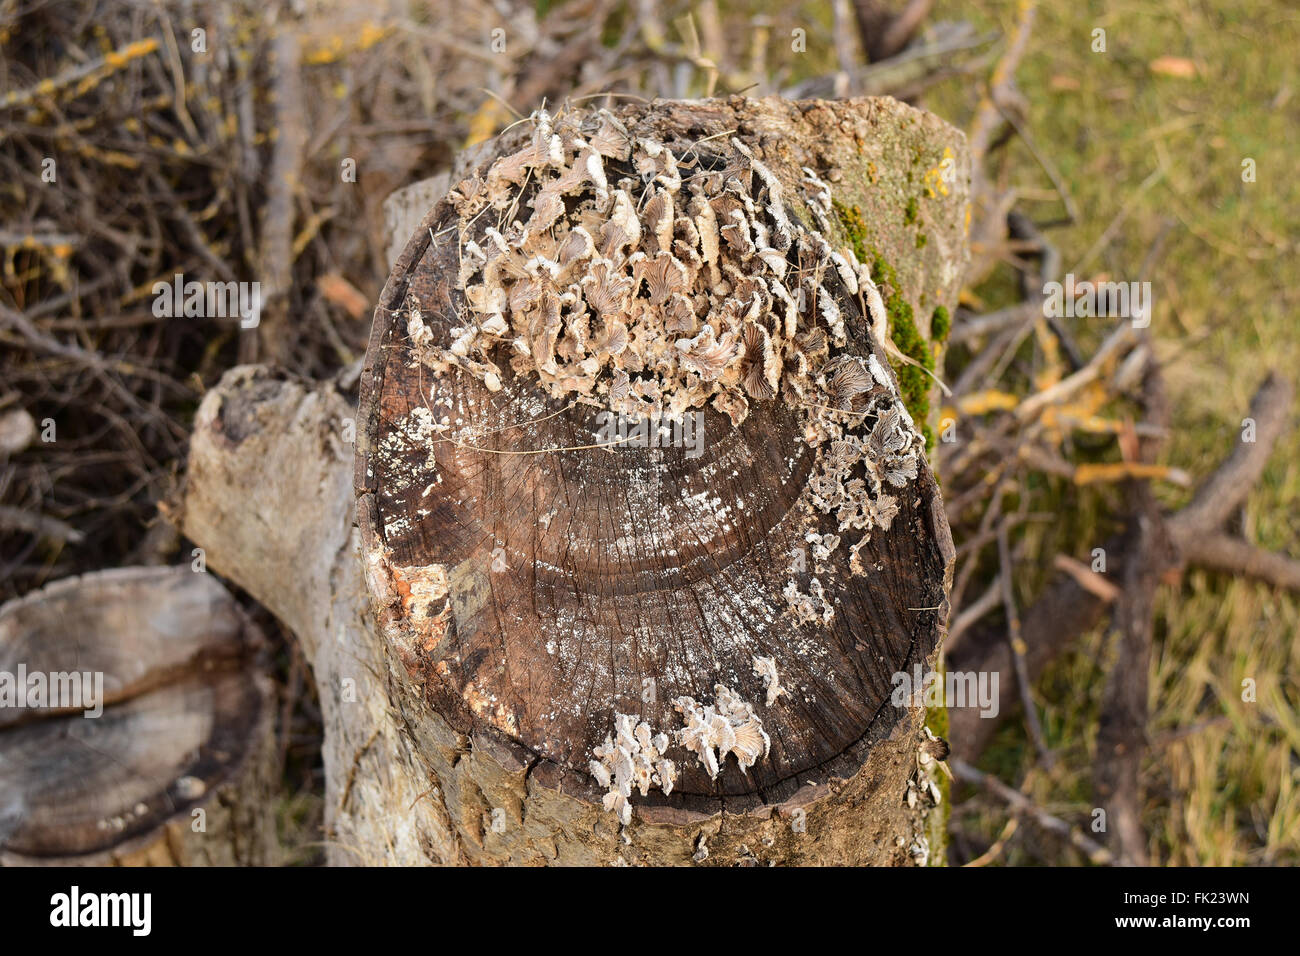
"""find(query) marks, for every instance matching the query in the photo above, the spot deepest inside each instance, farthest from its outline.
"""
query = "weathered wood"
(268, 495)
(177, 765)
(418, 769)
(531, 595)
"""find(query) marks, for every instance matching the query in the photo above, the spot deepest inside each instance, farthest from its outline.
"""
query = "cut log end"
(629, 445)
(140, 706)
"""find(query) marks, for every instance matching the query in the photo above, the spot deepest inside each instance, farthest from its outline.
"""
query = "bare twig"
(1122, 730)
(40, 525)
(1223, 552)
(1229, 484)
(1017, 645)
(1095, 852)
(1087, 578)
(278, 220)
(971, 613)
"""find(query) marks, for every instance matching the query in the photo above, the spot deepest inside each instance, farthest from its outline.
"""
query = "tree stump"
(421, 765)
(177, 766)
(615, 643)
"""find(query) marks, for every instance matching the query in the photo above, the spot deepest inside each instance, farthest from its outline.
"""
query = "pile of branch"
(215, 141)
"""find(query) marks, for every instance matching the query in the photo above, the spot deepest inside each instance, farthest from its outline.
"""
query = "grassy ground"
(1153, 160)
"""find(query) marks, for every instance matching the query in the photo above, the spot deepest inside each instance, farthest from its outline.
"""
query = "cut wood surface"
(533, 594)
(473, 743)
(186, 725)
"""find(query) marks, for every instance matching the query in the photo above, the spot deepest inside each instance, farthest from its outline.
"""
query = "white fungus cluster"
(619, 274)
(765, 669)
(811, 607)
(929, 759)
(727, 726)
(632, 758)
(640, 282)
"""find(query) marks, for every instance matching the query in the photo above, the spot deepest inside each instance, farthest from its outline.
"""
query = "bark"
(882, 31)
(466, 739)
(268, 495)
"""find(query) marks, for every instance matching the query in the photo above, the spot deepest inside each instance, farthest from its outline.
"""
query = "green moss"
(940, 325)
(911, 212)
(921, 240)
(855, 229)
(912, 381)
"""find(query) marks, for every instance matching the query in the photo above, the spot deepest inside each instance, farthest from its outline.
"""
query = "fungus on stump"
(178, 720)
(645, 513)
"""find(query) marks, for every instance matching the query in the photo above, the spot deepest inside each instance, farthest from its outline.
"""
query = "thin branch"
(1095, 852)
(43, 526)
(1228, 486)
(972, 613)
(1223, 552)
(1122, 726)
(1087, 579)
(1017, 645)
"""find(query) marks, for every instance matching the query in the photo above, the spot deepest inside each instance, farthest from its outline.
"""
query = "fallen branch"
(1229, 484)
(1087, 578)
(1067, 609)
(1223, 552)
(1095, 852)
(16, 519)
(1017, 645)
(1122, 725)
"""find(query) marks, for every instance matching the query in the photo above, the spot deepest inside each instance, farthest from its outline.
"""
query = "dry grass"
(1225, 277)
